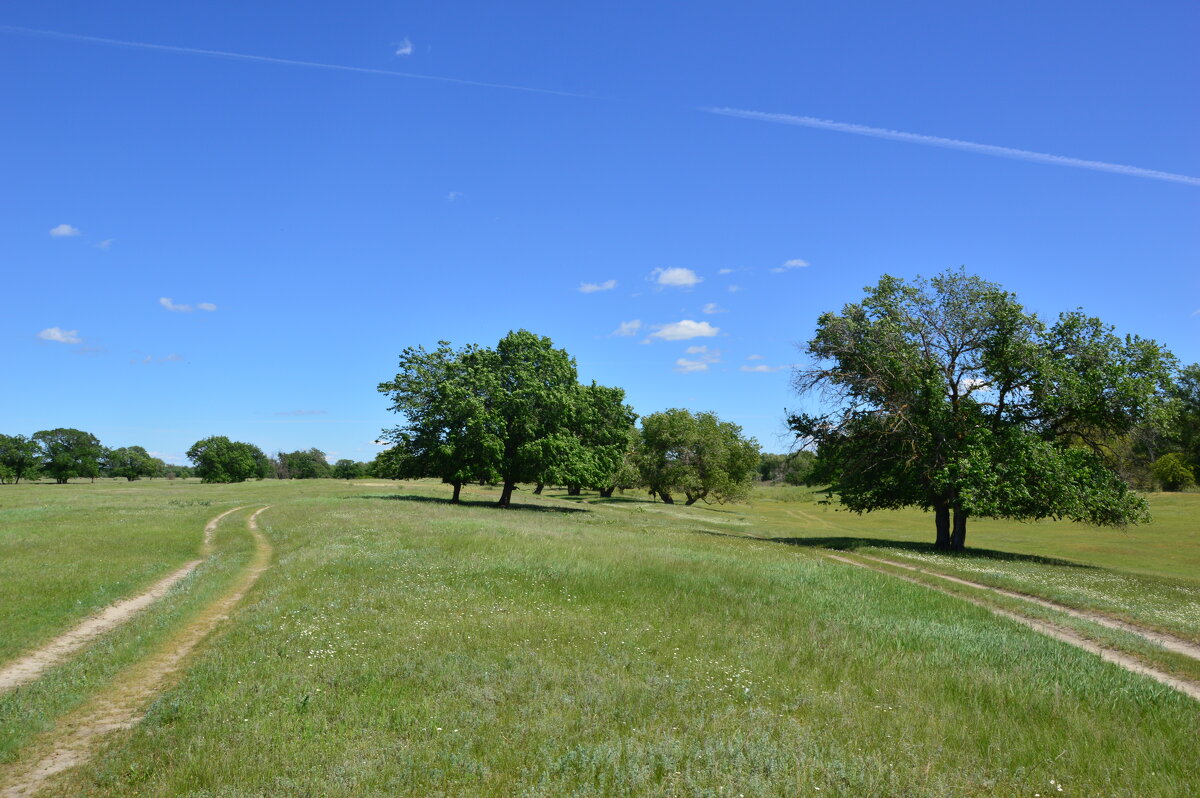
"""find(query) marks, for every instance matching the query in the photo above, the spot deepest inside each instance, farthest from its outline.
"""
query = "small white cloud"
(628, 328)
(794, 263)
(404, 47)
(711, 308)
(754, 357)
(725, 271)
(166, 302)
(702, 357)
(1195, 313)
(683, 330)
(60, 335)
(453, 195)
(210, 307)
(105, 244)
(761, 368)
(171, 358)
(64, 231)
(733, 289)
(590, 288)
(676, 277)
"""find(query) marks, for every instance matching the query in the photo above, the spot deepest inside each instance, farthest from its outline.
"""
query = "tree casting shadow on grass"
(842, 543)
(540, 508)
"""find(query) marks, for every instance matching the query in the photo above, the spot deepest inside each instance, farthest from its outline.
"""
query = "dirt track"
(1189, 688)
(122, 705)
(30, 666)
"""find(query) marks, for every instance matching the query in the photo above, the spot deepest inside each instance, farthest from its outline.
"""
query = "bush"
(1173, 472)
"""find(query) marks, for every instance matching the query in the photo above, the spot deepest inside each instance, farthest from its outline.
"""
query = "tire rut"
(32, 665)
(121, 707)
(1129, 663)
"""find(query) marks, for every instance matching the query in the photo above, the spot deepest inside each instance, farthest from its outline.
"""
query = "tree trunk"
(691, 499)
(958, 537)
(506, 494)
(666, 497)
(574, 490)
(457, 491)
(941, 517)
(538, 490)
(606, 493)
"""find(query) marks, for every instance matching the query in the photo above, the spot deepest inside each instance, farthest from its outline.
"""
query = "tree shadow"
(540, 508)
(852, 543)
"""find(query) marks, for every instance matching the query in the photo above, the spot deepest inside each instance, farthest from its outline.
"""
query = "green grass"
(405, 646)
(34, 707)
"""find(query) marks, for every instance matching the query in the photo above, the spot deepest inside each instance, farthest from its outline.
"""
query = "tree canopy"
(947, 394)
(218, 459)
(514, 413)
(19, 457)
(132, 462)
(698, 455)
(68, 453)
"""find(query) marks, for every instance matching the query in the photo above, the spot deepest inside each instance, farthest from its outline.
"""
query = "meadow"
(578, 646)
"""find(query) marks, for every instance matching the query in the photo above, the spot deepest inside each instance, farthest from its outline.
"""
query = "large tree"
(19, 456)
(948, 395)
(68, 453)
(131, 462)
(218, 459)
(303, 464)
(698, 455)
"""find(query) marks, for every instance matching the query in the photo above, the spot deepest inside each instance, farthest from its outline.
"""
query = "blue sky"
(197, 244)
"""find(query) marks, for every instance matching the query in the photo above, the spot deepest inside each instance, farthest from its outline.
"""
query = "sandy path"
(1189, 688)
(1167, 641)
(32, 665)
(123, 704)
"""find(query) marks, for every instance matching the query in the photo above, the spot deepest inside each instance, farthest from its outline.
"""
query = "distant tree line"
(64, 454)
(517, 413)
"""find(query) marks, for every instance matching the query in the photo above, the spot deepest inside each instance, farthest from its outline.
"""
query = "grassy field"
(401, 645)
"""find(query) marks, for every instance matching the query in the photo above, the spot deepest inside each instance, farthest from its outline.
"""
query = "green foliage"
(348, 469)
(792, 469)
(516, 413)
(218, 459)
(950, 396)
(1174, 472)
(697, 455)
(132, 462)
(310, 464)
(67, 453)
(19, 457)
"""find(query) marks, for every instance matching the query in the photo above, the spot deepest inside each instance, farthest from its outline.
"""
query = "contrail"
(955, 144)
(167, 48)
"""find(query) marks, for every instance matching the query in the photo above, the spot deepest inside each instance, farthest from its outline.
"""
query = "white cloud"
(725, 271)
(754, 357)
(711, 308)
(676, 277)
(105, 244)
(166, 302)
(1195, 313)
(453, 195)
(589, 288)
(64, 231)
(703, 357)
(762, 368)
(628, 328)
(788, 265)
(683, 330)
(404, 47)
(210, 307)
(685, 366)
(171, 358)
(60, 335)
(733, 289)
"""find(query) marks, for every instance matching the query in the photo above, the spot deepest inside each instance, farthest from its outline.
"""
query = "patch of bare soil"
(124, 703)
(1185, 686)
(30, 666)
